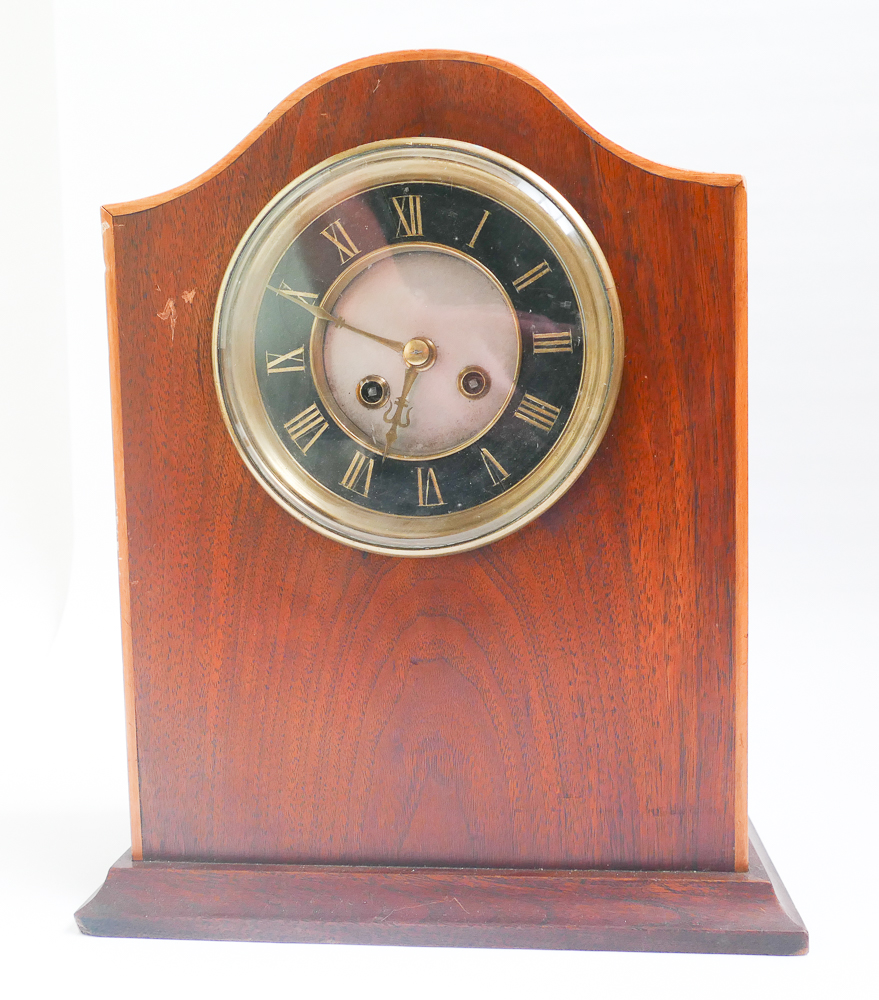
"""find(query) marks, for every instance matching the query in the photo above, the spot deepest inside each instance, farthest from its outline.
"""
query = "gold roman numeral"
(534, 411)
(307, 426)
(288, 293)
(292, 362)
(409, 212)
(335, 233)
(494, 468)
(529, 277)
(360, 468)
(428, 489)
(485, 215)
(558, 342)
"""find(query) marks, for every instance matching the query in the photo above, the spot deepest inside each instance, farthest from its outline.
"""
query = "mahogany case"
(571, 697)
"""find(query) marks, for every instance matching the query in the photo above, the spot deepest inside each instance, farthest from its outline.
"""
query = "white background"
(110, 100)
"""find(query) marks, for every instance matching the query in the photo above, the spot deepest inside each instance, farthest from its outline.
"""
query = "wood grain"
(715, 912)
(569, 697)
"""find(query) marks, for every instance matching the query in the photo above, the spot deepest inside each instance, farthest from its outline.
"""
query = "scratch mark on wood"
(189, 295)
(169, 313)
(415, 906)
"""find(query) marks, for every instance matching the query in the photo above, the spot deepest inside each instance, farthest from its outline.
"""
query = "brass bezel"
(328, 183)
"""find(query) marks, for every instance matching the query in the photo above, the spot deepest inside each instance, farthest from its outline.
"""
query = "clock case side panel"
(740, 638)
(182, 486)
(116, 392)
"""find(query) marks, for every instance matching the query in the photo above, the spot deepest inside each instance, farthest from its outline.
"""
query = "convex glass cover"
(418, 346)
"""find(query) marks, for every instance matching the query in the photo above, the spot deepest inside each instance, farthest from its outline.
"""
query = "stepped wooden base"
(717, 912)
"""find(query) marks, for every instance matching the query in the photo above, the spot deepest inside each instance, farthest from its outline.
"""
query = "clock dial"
(417, 349)
(405, 278)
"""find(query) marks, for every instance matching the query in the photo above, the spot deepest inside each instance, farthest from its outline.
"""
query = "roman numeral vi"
(359, 469)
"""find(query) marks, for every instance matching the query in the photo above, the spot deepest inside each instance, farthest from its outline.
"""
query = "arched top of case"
(401, 91)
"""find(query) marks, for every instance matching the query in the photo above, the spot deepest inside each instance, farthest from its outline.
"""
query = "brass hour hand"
(419, 355)
(301, 299)
(400, 407)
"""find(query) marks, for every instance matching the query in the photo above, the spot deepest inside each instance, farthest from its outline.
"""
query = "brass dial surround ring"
(398, 162)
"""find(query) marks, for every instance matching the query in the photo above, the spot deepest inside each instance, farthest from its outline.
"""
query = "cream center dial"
(450, 315)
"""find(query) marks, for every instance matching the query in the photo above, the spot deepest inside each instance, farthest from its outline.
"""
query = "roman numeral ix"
(534, 411)
(289, 293)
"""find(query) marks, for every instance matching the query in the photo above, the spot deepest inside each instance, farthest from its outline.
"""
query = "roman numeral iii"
(408, 211)
(292, 362)
(428, 489)
(335, 233)
(534, 411)
(559, 342)
(529, 277)
(306, 427)
(359, 474)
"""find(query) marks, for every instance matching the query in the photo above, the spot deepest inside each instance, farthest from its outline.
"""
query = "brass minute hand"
(395, 345)
(396, 420)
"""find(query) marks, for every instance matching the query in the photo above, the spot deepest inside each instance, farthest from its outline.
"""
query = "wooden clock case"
(539, 743)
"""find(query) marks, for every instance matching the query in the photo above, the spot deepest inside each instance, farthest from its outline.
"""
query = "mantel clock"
(433, 580)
